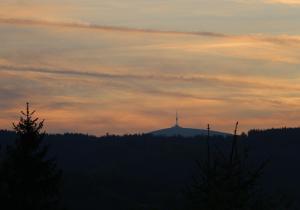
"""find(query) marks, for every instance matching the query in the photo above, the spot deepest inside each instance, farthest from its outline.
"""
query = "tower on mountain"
(176, 125)
(177, 130)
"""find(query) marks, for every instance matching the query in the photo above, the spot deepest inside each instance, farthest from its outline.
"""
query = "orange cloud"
(289, 2)
(222, 80)
(82, 25)
(281, 39)
(133, 80)
(35, 11)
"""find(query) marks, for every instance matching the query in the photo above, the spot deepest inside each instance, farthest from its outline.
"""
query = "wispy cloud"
(222, 80)
(280, 39)
(83, 25)
(289, 2)
(65, 66)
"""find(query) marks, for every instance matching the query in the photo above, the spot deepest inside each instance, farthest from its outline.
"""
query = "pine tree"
(29, 179)
(226, 181)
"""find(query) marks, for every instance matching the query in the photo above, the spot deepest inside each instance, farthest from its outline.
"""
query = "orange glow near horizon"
(84, 72)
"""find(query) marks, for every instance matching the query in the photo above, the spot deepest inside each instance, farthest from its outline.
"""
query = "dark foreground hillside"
(146, 172)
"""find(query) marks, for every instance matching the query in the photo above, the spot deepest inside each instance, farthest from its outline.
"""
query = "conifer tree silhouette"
(226, 182)
(29, 180)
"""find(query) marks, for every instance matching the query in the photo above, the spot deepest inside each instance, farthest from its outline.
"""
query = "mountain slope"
(186, 132)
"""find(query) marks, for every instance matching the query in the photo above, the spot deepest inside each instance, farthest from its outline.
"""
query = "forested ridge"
(147, 172)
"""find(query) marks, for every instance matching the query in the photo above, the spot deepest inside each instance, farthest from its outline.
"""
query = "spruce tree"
(226, 181)
(29, 179)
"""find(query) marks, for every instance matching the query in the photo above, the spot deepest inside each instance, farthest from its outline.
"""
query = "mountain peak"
(185, 132)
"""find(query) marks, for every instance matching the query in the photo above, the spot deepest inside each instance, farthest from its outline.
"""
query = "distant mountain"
(185, 132)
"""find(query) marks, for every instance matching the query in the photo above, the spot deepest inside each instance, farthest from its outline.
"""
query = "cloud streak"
(280, 39)
(138, 91)
(222, 80)
(286, 2)
(289, 2)
(82, 25)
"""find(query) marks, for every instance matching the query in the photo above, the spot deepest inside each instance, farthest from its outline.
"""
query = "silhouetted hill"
(185, 132)
(148, 172)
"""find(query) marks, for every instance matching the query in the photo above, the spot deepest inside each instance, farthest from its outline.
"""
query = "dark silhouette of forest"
(257, 170)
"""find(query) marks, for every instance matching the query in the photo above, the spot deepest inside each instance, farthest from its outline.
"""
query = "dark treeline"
(148, 172)
(254, 134)
(280, 134)
(275, 134)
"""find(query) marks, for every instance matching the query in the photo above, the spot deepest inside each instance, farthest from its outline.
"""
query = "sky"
(126, 66)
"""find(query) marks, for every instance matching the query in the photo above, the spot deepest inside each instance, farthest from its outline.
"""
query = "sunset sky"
(125, 66)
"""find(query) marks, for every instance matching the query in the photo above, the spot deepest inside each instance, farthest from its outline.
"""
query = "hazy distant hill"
(148, 172)
(186, 132)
